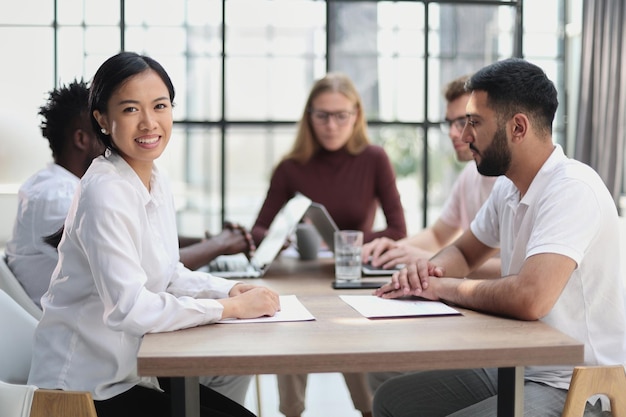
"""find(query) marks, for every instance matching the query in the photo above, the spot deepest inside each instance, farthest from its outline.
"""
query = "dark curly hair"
(63, 111)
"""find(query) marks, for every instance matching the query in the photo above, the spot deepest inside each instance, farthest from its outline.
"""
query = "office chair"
(17, 398)
(10, 285)
(590, 380)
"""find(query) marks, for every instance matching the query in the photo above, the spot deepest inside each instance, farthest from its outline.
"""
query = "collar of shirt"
(543, 176)
(156, 194)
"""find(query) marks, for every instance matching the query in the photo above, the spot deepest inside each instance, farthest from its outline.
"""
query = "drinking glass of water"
(348, 246)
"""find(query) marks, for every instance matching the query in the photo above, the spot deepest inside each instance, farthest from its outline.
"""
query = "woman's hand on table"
(249, 301)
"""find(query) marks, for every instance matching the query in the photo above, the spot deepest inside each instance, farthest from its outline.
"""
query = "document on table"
(291, 309)
(372, 306)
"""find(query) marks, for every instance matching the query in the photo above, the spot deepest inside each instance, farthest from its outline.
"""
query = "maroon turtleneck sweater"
(350, 187)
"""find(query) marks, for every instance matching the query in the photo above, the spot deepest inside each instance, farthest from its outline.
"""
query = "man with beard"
(555, 267)
(469, 192)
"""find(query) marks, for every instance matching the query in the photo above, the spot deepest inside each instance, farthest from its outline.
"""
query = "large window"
(242, 71)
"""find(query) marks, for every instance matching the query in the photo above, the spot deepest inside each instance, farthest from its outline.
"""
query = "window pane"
(192, 161)
(202, 90)
(404, 145)
(160, 39)
(21, 145)
(102, 40)
(154, 12)
(251, 155)
(204, 12)
(401, 82)
(26, 12)
(265, 88)
(443, 169)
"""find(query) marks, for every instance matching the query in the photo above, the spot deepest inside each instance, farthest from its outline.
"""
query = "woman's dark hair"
(111, 75)
(54, 239)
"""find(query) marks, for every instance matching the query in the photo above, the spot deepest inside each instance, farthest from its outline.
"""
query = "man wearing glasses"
(468, 194)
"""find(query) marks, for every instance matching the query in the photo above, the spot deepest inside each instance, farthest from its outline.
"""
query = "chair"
(590, 380)
(16, 397)
(28, 401)
(10, 285)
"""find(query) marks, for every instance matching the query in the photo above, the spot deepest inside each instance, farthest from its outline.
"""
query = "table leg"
(185, 397)
(511, 392)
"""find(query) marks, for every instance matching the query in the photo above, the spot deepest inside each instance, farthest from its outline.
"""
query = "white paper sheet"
(291, 309)
(372, 306)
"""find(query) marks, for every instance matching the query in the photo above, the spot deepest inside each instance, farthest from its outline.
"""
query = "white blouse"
(118, 278)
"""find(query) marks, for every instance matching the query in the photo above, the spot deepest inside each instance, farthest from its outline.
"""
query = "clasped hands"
(418, 278)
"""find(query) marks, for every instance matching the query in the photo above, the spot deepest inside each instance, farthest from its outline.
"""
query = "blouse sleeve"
(389, 197)
(110, 230)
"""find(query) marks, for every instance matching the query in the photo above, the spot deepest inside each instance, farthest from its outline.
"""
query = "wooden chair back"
(53, 403)
(590, 380)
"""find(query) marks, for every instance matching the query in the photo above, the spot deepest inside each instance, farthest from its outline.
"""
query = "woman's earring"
(104, 131)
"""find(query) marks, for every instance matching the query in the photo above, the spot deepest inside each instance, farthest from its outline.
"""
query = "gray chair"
(17, 398)
(10, 285)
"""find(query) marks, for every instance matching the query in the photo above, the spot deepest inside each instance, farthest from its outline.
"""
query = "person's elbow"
(530, 307)
(396, 233)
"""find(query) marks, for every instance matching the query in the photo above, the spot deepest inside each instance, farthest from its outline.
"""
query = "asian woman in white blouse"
(119, 275)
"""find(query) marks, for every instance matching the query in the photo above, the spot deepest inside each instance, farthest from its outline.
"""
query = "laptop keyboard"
(228, 265)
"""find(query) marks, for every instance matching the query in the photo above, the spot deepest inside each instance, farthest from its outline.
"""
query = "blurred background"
(242, 71)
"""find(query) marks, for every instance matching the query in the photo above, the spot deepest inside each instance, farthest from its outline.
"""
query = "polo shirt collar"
(543, 176)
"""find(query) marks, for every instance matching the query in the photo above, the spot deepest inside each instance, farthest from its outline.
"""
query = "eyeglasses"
(319, 117)
(458, 123)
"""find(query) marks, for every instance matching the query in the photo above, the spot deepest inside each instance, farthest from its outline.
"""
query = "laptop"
(281, 228)
(326, 227)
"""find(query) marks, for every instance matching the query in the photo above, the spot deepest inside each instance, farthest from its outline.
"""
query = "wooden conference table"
(341, 340)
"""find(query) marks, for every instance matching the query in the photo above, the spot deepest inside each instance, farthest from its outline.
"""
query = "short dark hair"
(514, 85)
(111, 75)
(62, 113)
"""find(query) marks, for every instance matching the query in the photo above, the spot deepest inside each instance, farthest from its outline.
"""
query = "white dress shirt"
(43, 202)
(118, 278)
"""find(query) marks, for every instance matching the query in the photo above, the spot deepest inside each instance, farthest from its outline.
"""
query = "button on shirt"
(43, 202)
(118, 278)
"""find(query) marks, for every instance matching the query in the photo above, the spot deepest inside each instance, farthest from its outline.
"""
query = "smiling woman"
(136, 118)
(119, 275)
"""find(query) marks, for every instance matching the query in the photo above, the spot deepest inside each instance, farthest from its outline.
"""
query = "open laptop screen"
(280, 229)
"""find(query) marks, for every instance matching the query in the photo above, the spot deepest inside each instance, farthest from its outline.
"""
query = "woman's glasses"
(319, 117)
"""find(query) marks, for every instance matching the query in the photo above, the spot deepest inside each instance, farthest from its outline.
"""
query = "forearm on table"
(491, 296)
(197, 255)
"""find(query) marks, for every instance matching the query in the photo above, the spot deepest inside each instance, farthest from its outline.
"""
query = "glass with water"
(348, 247)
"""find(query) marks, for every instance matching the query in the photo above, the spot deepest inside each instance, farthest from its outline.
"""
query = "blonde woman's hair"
(305, 144)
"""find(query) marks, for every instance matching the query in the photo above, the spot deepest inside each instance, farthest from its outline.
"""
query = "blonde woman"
(333, 163)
